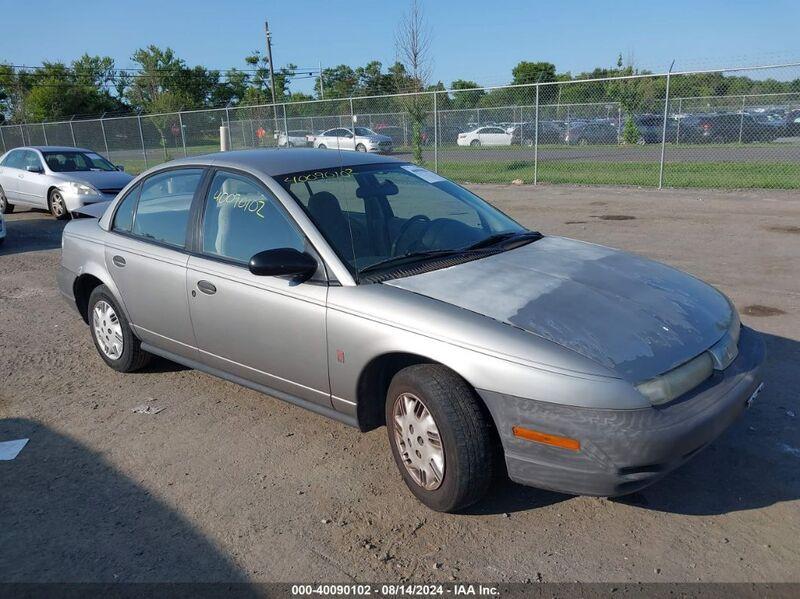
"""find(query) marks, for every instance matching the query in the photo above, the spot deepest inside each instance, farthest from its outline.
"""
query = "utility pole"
(272, 75)
(321, 86)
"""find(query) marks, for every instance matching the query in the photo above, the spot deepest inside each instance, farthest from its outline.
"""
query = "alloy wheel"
(57, 205)
(107, 330)
(418, 441)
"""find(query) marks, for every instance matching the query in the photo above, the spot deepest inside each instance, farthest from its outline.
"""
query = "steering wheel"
(417, 218)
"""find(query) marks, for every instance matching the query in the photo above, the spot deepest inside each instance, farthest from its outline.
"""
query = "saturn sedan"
(376, 292)
(58, 179)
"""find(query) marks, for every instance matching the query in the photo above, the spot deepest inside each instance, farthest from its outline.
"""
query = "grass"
(730, 175)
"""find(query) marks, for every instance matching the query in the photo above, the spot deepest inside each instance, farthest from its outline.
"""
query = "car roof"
(280, 161)
(54, 149)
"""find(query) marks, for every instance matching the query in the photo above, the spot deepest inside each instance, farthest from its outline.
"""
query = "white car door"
(33, 183)
(9, 171)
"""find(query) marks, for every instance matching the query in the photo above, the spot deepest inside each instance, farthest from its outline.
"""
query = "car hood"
(98, 179)
(637, 317)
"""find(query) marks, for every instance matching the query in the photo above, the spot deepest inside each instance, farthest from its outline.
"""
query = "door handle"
(206, 287)
(118, 261)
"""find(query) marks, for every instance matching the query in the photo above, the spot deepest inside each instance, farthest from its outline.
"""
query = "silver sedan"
(376, 292)
(58, 179)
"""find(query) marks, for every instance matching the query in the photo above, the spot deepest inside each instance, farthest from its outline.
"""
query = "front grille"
(111, 191)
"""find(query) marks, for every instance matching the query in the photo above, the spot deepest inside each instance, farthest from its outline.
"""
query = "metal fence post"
(72, 132)
(535, 139)
(680, 118)
(103, 129)
(141, 137)
(741, 120)
(183, 135)
(664, 130)
(435, 134)
(44, 134)
(3, 139)
(286, 127)
(228, 119)
(353, 122)
(22, 134)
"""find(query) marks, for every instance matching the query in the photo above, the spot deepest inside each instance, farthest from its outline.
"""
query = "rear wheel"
(57, 205)
(475, 143)
(5, 207)
(112, 333)
(441, 437)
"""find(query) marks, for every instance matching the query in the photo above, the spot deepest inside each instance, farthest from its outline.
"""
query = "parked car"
(376, 292)
(365, 140)
(651, 128)
(298, 138)
(485, 136)
(590, 132)
(726, 128)
(59, 179)
(793, 123)
(549, 132)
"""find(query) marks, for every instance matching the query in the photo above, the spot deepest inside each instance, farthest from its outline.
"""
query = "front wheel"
(5, 207)
(442, 439)
(322, 147)
(112, 333)
(57, 205)
(361, 148)
(475, 143)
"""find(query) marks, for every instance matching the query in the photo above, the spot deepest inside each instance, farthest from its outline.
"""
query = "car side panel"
(153, 283)
(8, 181)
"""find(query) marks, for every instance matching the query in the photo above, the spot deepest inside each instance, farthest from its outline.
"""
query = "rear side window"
(164, 202)
(15, 159)
(123, 219)
(242, 219)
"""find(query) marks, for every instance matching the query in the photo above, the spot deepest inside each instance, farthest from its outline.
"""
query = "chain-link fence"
(646, 130)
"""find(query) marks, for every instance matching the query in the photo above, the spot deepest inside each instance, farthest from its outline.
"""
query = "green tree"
(630, 132)
(533, 72)
(467, 98)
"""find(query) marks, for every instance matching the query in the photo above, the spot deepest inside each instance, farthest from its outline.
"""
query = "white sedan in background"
(365, 140)
(485, 136)
(295, 139)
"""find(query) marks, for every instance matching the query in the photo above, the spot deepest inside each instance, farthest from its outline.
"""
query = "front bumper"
(76, 201)
(623, 451)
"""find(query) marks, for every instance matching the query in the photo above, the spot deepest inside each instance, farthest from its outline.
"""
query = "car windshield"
(69, 162)
(364, 131)
(379, 217)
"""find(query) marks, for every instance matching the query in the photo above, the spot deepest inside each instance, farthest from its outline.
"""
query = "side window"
(30, 158)
(164, 202)
(241, 219)
(14, 159)
(123, 219)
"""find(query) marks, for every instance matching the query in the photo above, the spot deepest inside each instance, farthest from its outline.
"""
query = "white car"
(485, 136)
(295, 139)
(365, 140)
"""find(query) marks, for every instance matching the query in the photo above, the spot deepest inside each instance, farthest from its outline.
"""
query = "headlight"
(81, 189)
(677, 381)
(684, 378)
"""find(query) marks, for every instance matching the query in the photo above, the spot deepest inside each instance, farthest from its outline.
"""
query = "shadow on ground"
(31, 234)
(68, 515)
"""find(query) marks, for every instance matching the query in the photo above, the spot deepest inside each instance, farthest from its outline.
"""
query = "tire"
(131, 357)
(465, 430)
(361, 148)
(57, 206)
(322, 147)
(5, 207)
(290, 145)
(475, 143)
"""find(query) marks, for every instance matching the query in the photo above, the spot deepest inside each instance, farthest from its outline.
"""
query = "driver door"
(265, 329)
(32, 186)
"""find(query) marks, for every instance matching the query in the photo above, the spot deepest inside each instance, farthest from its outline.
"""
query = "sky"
(478, 40)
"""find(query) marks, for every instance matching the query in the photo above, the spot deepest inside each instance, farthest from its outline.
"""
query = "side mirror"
(282, 262)
(121, 168)
(349, 136)
(34, 168)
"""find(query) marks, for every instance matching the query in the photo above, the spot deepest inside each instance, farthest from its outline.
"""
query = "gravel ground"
(228, 484)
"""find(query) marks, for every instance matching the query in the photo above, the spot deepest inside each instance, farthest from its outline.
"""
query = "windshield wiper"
(409, 257)
(502, 237)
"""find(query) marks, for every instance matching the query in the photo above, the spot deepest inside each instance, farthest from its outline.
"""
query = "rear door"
(9, 174)
(267, 330)
(147, 258)
(32, 187)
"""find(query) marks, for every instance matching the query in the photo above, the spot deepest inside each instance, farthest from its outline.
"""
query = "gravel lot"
(227, 484)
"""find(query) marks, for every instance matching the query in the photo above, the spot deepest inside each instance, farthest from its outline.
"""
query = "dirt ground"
(228, 484)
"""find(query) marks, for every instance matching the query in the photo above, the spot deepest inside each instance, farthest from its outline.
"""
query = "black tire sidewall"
(5, 207)
(125, 361)
(446, 497)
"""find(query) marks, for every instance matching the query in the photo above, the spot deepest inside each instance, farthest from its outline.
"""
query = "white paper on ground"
(10, 449)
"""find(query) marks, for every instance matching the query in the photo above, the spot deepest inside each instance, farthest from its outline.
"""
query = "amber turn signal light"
(554, 440)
